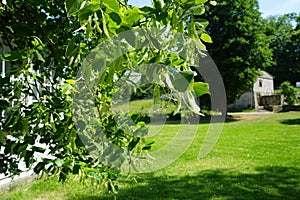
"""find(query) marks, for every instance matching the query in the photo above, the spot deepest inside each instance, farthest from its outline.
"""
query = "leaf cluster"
(47, 43)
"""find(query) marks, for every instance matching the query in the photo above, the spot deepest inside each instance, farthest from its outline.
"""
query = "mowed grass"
(255, 158)
(144, 106)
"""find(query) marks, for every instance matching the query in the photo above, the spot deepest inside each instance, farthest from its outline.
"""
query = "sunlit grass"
(257, 158)
(144, 106)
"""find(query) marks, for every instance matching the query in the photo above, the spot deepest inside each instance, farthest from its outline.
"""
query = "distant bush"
(289, 92)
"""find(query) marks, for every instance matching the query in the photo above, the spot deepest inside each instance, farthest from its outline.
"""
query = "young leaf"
(59, 162)
(214, 3)
(39, 57)
(70, 81)
(200, 88)
(201, 1)
(206, 38)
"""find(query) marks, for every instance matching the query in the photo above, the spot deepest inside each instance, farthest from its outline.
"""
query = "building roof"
(266, 75)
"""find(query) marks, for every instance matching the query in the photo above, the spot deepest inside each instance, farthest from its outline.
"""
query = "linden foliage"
(46, 46)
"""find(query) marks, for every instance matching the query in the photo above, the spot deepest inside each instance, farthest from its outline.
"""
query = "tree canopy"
(284, 35)
(240, 47)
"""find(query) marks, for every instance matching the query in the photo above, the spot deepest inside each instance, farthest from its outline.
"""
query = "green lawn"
(257, 158)
(144, 106)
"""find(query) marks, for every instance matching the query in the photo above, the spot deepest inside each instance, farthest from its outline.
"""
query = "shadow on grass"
(202, 120)
(267, 183)
(291, 121)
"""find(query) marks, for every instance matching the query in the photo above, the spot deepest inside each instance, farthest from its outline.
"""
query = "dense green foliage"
(46, 44)
(240, 47)
(255, 158)
(289, 92)
(284, 35)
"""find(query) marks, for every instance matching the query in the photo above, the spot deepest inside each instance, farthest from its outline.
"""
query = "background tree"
(46, 44)
(240, 47)
(284, 39)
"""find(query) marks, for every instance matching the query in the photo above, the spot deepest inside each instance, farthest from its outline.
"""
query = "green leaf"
(2, 138)
(188, 75)
(21, 147)
(142, 124)
(115, 17)
(76, 169)
(200, 88)
(112, 4)
(155, 42)
(200, 1)
(198, 10)
(142, 131)
(39, 167)
(71, 49)
(72, 6)
(201, 23)
(52, 123)
(37, 43)
(133, 15)
(39, 57)
(192, 30)
(87, 11)
(71, 81)
(79, 142)
(133, 143)
(147, 147)
(183, 80)
(14, 55)
(38, 149)
(206, 38)
(25, 126)
(214, 3)
(200, 44)
(66, 89)
(59, 162)
(175, 19)
(28, 158)
(147, 9)
(130, 38)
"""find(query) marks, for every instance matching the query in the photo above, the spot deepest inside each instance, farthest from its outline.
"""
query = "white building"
(4, 67)
(263, 86)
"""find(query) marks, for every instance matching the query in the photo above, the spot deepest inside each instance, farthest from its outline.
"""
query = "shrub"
(289, 92)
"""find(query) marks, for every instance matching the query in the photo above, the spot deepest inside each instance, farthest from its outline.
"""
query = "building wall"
(264, 86)
(275, 99)
(245, 101)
